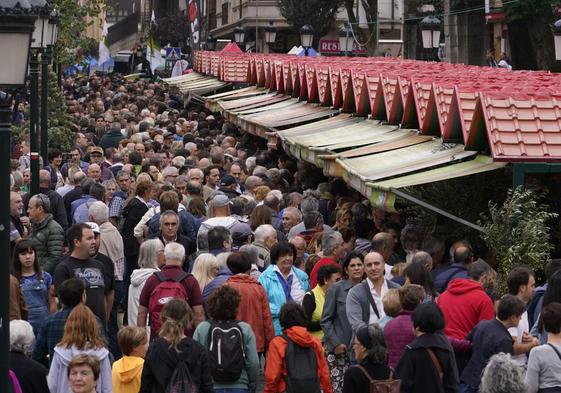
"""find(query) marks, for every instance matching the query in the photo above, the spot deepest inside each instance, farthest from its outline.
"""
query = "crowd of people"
(169, 252)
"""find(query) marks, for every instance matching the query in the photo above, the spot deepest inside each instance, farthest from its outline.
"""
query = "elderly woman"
(503, 375)
(205, 269)
(32, 376)
(83, 373)
(371, 354)
(150, 258)
(282, 281)
(334, 323)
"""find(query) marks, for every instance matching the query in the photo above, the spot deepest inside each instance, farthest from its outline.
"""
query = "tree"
(320, 14)
(530, 34)
(367, 36)
(74, 18)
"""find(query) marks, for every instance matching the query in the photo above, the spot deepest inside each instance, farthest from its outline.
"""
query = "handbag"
(436, 363)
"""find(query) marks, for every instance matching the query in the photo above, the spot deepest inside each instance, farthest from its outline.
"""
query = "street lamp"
(16, 28)
(306, 37)
(430, 28)
(346, 39)
(211, 43)
(270, 34)
(557, 36)
(239, 35)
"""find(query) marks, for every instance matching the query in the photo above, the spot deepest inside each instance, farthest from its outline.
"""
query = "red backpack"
(167, 289)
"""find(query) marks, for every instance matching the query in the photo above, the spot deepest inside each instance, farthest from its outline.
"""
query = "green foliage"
(518, 231)
(528, 9)
(172, 29)
(74, 17)
(320, 14)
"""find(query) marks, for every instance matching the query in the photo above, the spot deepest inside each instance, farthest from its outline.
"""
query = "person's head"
(521, 282)
(236, 172)
(510, 310)
(260, 215)
(169, 224)
(369, 343)
(219, 238)
(21, 336)
(343, 218)
(300, 244)
(39, 208)
(94, 172)
(145, 189)
(151, 254)
(205, 268)
(374, 266)
(98, 212)
(551, 318)
(383, 243)
(423, 258)
(364, 228)
(81, 330)
(212, 175)
(176, 317)
(239, 263)
(266, 234)
(435, 247)
(71, 292)
(169, 200)
(83, 373)
(353, 266)
(133, 341)
(96, 156)
(223, 303)
(481, 272)
(411, 238)
(416, 273)
(410, 296)
(291, 216)
(332, 245)
(16, 204)
(174, 254)
(427, 318)
(25, 257)
(328, 275)
(282, 254)
(502, 375)
(195, 174)
(220, 205)
(81, 240)
(292, 314)
(313, 221)
(123, 180)
(391, 302)
(463, 254)
(44, 178)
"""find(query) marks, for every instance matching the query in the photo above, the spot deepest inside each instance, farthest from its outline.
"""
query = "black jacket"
(419, 374)
(356, 382)
(57, 206)
(32, 375)
(161, 360)
(132, 213)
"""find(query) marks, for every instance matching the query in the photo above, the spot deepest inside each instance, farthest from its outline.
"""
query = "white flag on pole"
(104, 54)
(153, 54)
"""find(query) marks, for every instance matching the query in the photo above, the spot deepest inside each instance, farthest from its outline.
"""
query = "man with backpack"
(172, 282)
(295, 361)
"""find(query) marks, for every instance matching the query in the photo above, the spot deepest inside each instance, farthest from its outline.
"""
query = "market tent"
(232, 47)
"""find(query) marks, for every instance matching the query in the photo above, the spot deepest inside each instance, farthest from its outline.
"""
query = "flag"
(153, 54)
(104, 54)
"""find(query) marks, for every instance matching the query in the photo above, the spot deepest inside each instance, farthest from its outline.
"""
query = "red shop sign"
(332, 47)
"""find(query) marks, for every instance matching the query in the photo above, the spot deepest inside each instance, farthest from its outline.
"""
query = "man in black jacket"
(57, 204)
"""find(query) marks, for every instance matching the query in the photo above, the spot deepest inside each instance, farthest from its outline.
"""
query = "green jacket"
(48, 237)
(248, 379)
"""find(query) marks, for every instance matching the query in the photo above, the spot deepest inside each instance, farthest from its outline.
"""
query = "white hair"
(276, 193)
(193, 170)
(178, 161)
(502, 375)
(169, 170)
(190, 146)
(99, 212)
(250, 163)
(264, 231)
(174, 252)
(222, 258)
(21, 336)
(203, 269)
(148, 254)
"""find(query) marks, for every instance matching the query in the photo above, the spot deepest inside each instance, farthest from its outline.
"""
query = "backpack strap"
(366, 374)
(555, 349)
(161, 276)
(370, 297)
(436, 363)
(181, 277)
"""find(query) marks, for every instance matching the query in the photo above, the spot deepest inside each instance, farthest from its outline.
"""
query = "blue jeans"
(113, 327)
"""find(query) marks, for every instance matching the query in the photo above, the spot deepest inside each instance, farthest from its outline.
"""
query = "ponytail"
(176, 317)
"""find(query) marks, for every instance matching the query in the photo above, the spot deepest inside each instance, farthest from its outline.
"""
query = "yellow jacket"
(126, 374)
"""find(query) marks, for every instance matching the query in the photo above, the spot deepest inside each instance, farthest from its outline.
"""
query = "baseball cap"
(227, 180)
(220, 200)
(94, 227)
(96, 149)
(168, 134)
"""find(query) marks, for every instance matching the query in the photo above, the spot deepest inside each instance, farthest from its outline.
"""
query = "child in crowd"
(392, 306)
(126, 373)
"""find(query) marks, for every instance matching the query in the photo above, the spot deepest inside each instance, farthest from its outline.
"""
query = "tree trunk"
(365, 36)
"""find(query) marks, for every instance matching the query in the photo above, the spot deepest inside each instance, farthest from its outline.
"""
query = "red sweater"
(464, 304)
(314, 274)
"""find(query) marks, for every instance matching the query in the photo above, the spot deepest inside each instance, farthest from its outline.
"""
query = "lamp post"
(239, 36)
(557, 37)
(39, 37)
(211, 43)
(16, 27)
(306, 38)
(430, 29)
(270, 34)
(49, 41)
(346, 39)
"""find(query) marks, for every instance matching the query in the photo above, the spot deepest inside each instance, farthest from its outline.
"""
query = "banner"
(194, 24)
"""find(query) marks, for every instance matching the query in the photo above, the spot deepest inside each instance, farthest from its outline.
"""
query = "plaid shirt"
(116, 206)
(51, 333)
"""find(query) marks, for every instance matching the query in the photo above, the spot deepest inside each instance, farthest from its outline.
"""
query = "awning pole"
(435, 209)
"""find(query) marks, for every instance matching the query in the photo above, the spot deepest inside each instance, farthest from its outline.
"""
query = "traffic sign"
(173, 54)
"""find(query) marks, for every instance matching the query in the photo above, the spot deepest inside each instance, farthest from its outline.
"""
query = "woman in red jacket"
(293, 321)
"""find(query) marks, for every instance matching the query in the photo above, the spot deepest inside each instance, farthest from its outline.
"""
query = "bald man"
(57, 204)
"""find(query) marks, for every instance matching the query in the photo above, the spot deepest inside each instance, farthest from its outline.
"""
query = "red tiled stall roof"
(514, 114)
